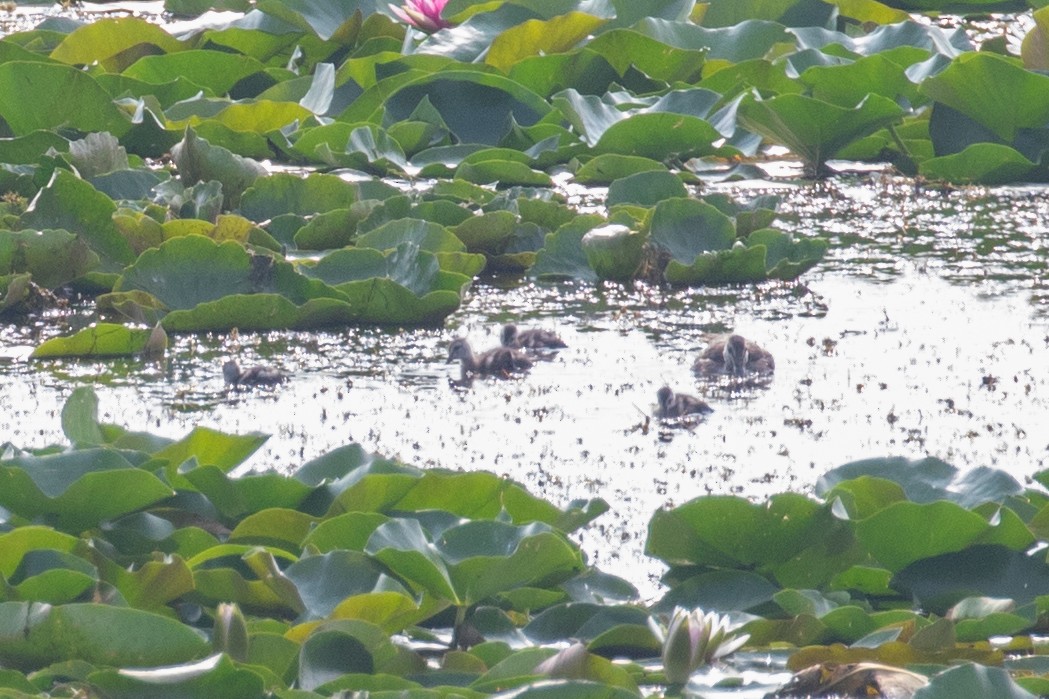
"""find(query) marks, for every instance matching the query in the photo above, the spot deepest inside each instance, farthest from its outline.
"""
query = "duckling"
(679, 405)
(734, 355)
(536, 338)
(500, 360)
(252, 376)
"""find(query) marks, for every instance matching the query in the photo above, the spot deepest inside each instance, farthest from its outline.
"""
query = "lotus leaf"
(333, 229)
(614, 251)
(533, 37)
(753, 38)
(586, 621)
(461, 95)
(502, 172)
(985, 87)
(606, 168)
(215, 675)
(78, 489)
(969, 681)
(52, 257)
(847, 85)
(368, 149)
(327, 19)
(62, 96)
(190, 270)
(327, 580)
(472, 561)
(98, 340)
(35, 635)
(686, 228)
(582, 70)
(720, 590)
(813, 129)
(981, 163)
(217, 72)
(699, 532)
(199, 161)
(562, 254)
(794, 12)
(70, 203)
(646, 188)
(926, 481)
(627, 48)
(114, 43)
(950, 528)
(786, 258)
(283, 193)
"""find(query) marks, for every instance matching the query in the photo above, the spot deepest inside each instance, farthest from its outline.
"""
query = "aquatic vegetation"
(130, 561)
(423, 14)
(347, 573)
(693, 639)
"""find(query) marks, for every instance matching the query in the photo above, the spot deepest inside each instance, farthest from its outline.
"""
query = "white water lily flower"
(694, 639)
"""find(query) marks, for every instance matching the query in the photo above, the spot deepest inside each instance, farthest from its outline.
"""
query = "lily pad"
(62, 96)
(813, 129)
(52, 257)
(98, 340)
(36, 635)
(614, 251)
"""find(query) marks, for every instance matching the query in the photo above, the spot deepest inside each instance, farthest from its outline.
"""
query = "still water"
(924, 332)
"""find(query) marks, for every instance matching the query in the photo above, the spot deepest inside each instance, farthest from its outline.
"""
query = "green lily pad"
(216, 71)
(685, 228)
(477, 107)
(217, 674)
(189, 270)
(614, 251)
(97, 340)
(562, 255)
(62, 96)
(813, 129)
(533, 37)
(646, 188)
(980, 163)
(114, 42)
(70, 203)
(35, 635)
(199, 161)
(77, 489)
(52, 257)
(987, 88)
(282, 193)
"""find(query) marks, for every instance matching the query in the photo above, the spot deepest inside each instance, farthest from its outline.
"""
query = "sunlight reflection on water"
(919, 335)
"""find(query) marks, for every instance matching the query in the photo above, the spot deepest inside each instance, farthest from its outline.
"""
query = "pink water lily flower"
(423, 14)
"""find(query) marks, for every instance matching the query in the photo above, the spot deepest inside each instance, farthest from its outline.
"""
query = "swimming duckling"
(679, 405)
(252, 376)
(500, 360)
(536, 338)
(734, 355)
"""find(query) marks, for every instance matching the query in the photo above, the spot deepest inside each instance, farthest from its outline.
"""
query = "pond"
(923, 332)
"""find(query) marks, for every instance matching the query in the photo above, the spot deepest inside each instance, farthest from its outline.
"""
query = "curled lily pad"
(813, 129)
(614, 251)
(199, 161)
